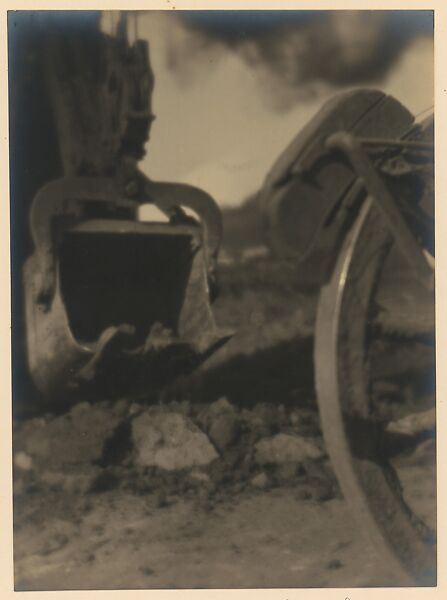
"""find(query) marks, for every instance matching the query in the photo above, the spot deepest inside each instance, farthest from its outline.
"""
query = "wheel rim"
(367, 480)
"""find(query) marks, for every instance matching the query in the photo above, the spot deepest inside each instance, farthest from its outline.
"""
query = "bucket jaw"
(115, 305)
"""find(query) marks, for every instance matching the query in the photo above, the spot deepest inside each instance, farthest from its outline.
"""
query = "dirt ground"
(271, 538)
(90, 513)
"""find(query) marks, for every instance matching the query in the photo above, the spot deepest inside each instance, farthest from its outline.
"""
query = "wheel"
(356, 425)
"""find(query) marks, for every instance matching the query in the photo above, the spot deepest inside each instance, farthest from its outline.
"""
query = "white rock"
(23, 461)
(170, 441)
(260, 481)
(284, 447)
(414, 423)
(222, 405)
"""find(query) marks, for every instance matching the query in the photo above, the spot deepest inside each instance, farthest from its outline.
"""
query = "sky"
(231, 93)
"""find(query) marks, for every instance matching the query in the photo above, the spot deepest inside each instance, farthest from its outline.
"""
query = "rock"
(305, 422)
(267, 415)
(221, 406)
(209, 413)
(224, 430)
(135, 408)
(260, 481)
(286, 473)
(23, 461)
(415, 423)
(185, 408)
(423, 455)
(121, 408)
(321, 469)
(322, 490)
(322, 480)
(284, 447)
(318, 491)
(199, 477)
(72, 482)
(80, 408)
(66, 440)
(170, 441)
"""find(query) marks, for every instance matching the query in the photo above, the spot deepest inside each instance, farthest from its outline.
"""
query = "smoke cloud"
(295, 55)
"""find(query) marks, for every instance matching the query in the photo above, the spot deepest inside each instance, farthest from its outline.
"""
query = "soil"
(263, 539)
(280, 537)
(88, 514)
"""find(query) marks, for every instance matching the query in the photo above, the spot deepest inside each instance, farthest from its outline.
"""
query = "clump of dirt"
(234, 451)
(172, 450)
(200, 437)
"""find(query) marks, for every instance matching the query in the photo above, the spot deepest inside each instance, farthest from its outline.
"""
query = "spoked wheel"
(350, 338)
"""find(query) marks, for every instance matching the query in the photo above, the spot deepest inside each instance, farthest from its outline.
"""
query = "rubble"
(415, 423)
(170, 441)
(286, 473)
(23, 461)
(76, 437)
(77, 481)
(221, 421)
(224, 430)
(267, 416)
(284, 448)
(172, 449)
(260, 481)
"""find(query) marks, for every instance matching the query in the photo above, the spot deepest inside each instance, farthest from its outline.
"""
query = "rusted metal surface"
(367, 297)
(70, 197)
(112, 305)
(305, 181)
(352, 437)
(174, 273)
(101, 96)
(353, 190)
(357, 307)
(376, 188)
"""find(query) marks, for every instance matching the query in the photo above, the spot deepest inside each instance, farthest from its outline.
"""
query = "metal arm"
(365, 170)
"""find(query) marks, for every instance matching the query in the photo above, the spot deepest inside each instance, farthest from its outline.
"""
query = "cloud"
(294, 55)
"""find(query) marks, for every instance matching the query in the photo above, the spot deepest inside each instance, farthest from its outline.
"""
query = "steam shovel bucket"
(129, 310)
